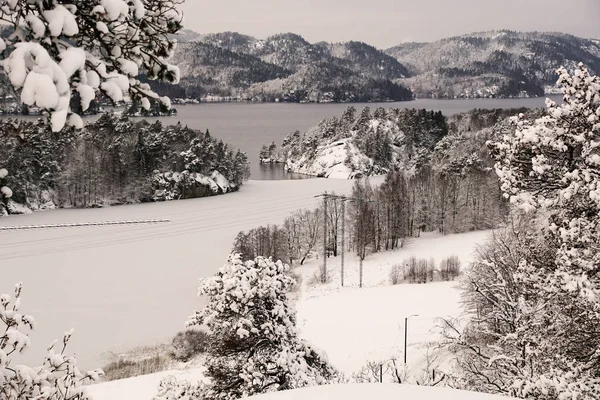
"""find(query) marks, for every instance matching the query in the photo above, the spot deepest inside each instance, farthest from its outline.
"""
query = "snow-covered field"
(355, 326)
(121, 287)
(140, 387)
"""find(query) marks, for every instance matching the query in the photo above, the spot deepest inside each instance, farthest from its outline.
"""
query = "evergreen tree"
(64, 49)
(254, 346)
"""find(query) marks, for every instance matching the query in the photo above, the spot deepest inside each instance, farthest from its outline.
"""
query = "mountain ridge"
(286, 67)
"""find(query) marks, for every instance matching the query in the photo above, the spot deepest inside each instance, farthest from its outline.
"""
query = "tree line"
(113, 160)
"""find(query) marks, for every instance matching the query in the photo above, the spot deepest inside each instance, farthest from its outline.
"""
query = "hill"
(495, 63)
(286, 67)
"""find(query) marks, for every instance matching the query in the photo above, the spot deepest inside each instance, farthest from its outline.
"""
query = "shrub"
(416, 270)
(396, 274)
(431, 270)
(188, 343)
(450, 268)
(171, 389)
(58, 378)
(123, 369)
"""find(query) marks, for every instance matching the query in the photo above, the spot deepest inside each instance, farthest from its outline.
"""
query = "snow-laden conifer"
(254, 345)
(59, 50)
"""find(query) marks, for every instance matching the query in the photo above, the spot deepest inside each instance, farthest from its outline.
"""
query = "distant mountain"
(496, 63)
(286, 67)
(186, 36)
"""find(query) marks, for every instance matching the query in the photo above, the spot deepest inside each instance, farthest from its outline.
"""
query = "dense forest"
(112, 161)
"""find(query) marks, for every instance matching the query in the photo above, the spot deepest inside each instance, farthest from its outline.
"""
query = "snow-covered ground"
(140, 387)
(355, 326)
(376, 391)
(122, 287)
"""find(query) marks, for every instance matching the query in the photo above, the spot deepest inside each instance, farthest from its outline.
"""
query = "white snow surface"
(141, 387)
(355, 326)
(376, 392)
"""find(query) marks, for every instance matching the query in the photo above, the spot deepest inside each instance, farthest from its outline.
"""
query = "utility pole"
(343, 234)
(324, 272)
(343, 199)
(406, 333)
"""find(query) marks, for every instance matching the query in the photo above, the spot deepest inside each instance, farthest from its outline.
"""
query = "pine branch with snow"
(75, 49)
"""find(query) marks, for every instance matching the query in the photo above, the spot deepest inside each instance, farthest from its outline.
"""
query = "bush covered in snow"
(61, 54)
(58, 378)
(5, 192)
(188, 343)
(172, 389)
(254, 346)
(114, 161)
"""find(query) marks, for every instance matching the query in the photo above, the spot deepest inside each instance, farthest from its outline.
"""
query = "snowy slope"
(141, 387)
(376, 392)
(355, 326)
(328, 162)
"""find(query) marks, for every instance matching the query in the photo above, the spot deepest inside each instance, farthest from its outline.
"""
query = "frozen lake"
(125, 286)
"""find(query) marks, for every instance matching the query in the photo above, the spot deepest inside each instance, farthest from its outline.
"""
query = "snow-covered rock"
(186, 185)
(330, 161)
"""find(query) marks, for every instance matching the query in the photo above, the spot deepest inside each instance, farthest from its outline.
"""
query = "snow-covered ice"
(127, 286)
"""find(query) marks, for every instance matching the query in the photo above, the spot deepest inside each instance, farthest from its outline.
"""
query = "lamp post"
(406, 333)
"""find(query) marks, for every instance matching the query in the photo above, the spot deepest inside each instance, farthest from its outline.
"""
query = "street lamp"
(406, 333)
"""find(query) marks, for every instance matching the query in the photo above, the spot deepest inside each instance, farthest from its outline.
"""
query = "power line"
(82, 224)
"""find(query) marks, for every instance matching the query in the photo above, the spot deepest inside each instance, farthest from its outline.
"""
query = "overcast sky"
(384, 23)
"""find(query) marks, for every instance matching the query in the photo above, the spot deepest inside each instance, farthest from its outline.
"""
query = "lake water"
(248, 126)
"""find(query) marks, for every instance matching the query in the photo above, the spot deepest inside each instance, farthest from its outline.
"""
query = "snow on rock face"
(330, 161)
(221, 181)
(15, 208)
(186, 185)
(376, 391)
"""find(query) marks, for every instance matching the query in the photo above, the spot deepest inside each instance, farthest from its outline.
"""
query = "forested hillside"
(495, 63)
(112, 161)
(449, 185)
(375, 142)
(285, 67)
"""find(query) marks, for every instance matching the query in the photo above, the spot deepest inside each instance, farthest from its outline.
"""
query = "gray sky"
(384, 23)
